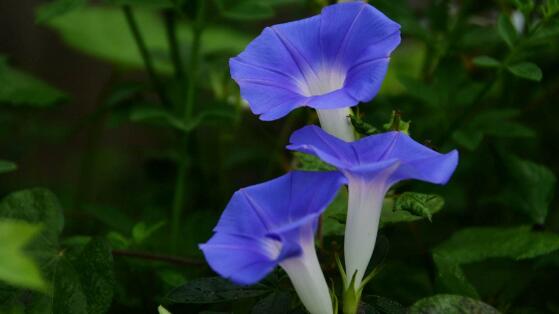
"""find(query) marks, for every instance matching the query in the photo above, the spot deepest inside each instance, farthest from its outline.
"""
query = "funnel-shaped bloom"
(371, 165)
(329, 62)
(272, 224)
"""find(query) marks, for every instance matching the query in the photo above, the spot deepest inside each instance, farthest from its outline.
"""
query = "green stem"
(148, 64)
(171, 27)
(184, 261)
(180, 185)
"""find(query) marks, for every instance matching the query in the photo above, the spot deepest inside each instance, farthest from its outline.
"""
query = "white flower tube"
(366, 196)
(364, 208)
(337, 122)
(307, 278)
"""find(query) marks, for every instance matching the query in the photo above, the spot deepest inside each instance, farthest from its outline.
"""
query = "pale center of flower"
(272, 247)
(322, 82)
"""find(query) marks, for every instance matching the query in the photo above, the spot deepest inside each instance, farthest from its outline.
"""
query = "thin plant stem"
(159, 257)
(171, 27)
(181, 181)
(148, 64)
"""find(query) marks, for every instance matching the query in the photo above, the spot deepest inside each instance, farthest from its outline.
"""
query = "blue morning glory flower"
(328, 62)
(273, 224)
(372, 165)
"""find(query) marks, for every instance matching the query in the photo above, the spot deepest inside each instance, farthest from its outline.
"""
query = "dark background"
(114, 174)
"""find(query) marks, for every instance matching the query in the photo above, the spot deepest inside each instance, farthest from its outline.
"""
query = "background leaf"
(479, 244)
(451, 304)
(82, 282)
(497, 123)
(102, 32)
(213, 290)
(506, 30)
(18, 88)
(16, 267)
(245, 10)
(526, 70)
(530, 188)
(275, 303)
(487, 62)
(57, 7)
(7, 166)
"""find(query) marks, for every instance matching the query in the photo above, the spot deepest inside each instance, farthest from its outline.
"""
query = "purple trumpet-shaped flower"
(372, 165)
(328, 62)
(272, 224)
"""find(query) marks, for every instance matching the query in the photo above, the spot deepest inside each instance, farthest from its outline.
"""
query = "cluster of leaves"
(479, 76)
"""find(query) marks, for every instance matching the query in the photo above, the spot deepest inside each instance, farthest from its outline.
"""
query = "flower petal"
(243, 260)
(364, 80)
(332, 60)
(281, 204)
(314, 141)
(436, 169)
(266, 52)
(372, 155)
(270, 100)
(349, 31)
(301, 38)
(332, 100)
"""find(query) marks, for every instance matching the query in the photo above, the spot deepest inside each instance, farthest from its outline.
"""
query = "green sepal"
(361, 126)
(397, 124)
(342, 271)
(352, 297)
(334, 298)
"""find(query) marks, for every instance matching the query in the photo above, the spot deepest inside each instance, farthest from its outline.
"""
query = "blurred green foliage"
(121, 234)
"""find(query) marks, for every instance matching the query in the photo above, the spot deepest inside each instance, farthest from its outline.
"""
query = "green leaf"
(480, 243)
(333, 219)
(67, 295)
(36, 206)
(161, 117)
(451, 277)
(526, 70)
(153, 4)
(410, 206)
(275, 303)
(56, 8)
(451, 304)
(487, 62)
(381, 305)
(525, 6)
(551, 8)
(18, 88)
(499, 123)
(157, 116)
(103, 32)
(141, 231)
(95, 265)
(530, 189)
(418, 204)
(468, 138)
(308, 162)
(16, 267)
(245, 10)
(506, 30)
(546, 32)
(213, 290)
(82, 282)
(7, 166)
(162, 310)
